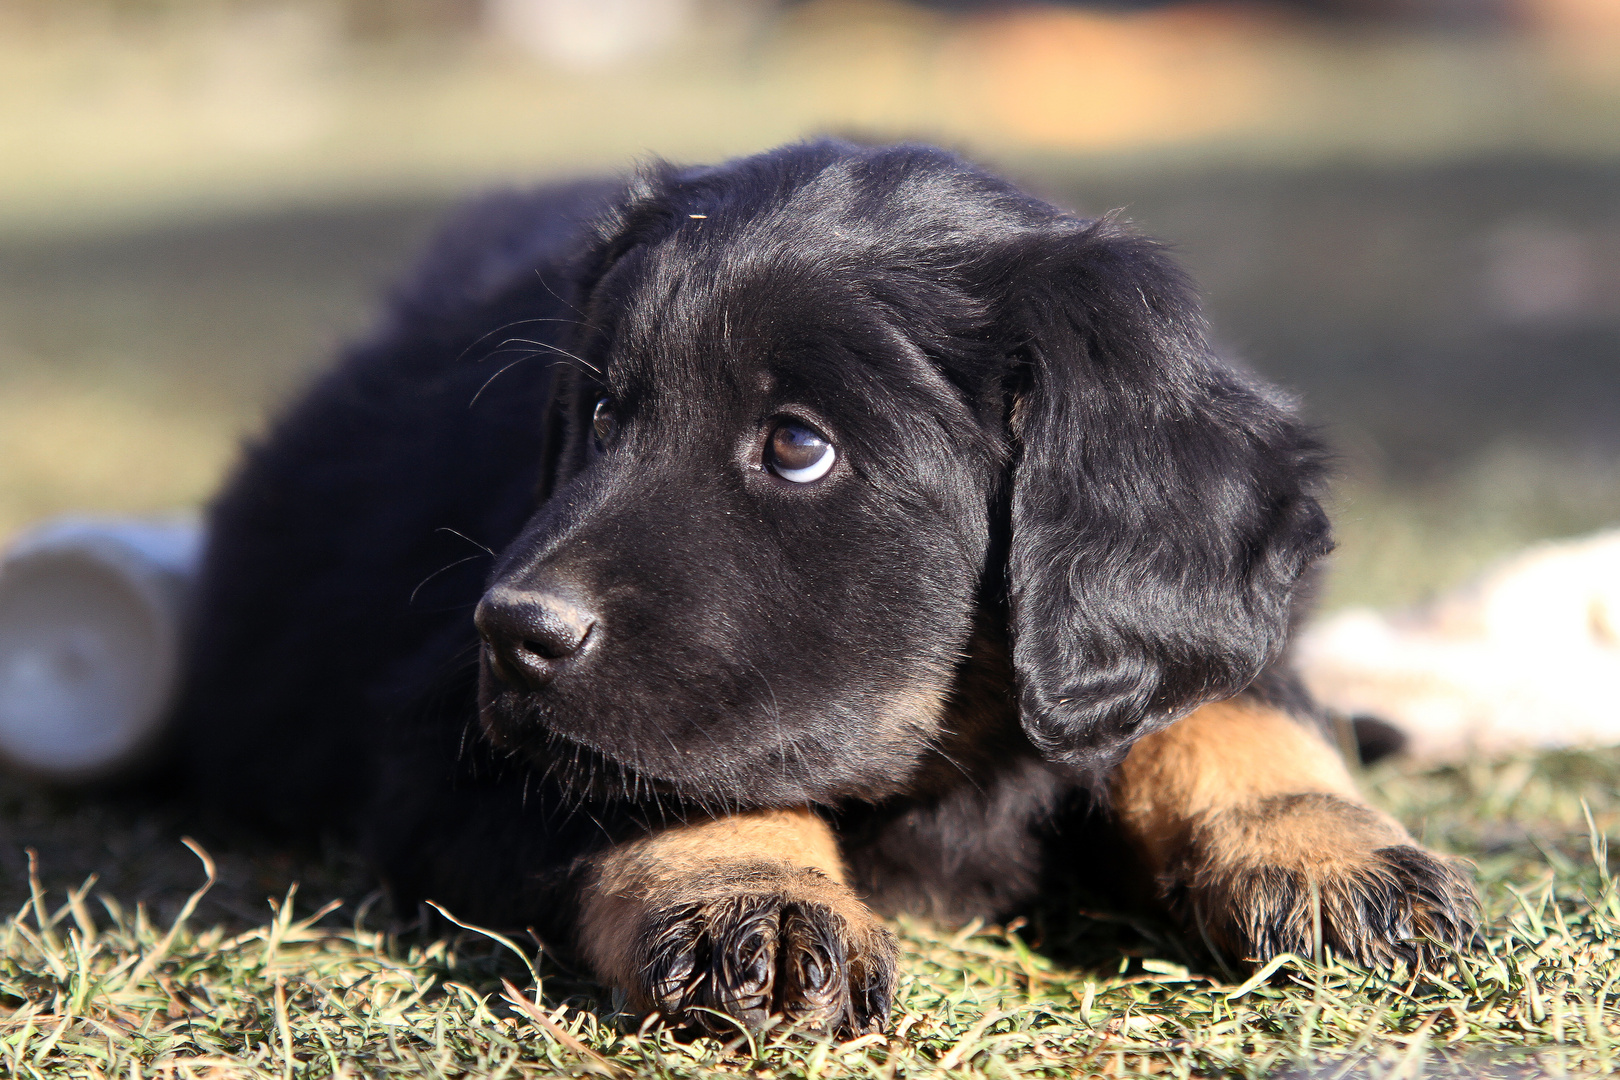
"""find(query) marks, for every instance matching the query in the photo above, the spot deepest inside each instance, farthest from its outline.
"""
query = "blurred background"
(1406, 211)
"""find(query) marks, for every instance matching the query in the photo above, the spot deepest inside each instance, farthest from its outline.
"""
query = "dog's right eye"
(603, 424)
(799, 454)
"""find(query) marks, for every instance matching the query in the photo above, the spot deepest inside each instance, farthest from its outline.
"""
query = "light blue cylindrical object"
(92, 624)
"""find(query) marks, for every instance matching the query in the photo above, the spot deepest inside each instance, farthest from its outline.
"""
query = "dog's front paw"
(774, 941)
(1259, 880)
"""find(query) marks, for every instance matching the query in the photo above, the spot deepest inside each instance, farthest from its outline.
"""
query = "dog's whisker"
(524, 355)
(774, 714)
(436, 573)
(486, 335)
(583, 318)
(497, 375)
(453, 532)
(546, 346)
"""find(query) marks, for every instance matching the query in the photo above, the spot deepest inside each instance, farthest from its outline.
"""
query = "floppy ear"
(1162, 506)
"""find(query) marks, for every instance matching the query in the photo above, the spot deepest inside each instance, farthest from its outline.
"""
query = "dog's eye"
(603, 425)
(798, 454)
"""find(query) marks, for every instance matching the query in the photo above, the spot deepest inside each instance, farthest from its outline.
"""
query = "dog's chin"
(514, 723)
(581, 770)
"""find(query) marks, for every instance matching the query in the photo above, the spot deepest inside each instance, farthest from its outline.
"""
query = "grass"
(130, 976)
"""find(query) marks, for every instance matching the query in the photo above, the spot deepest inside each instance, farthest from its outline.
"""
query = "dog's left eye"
(603, 423)
(799, 454)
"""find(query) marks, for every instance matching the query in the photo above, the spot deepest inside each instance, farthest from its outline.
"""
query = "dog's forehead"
(705, 319)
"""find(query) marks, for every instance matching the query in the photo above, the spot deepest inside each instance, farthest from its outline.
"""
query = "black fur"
(1056, 522)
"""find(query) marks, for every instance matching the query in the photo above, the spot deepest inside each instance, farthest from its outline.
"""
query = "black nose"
(531, 636)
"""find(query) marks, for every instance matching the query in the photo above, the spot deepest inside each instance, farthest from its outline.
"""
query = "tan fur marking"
(701, 861)
(1228, 756)
(1256, 835)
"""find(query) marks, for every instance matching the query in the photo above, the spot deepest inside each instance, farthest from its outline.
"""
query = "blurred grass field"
(1415, 225)
(1414, 228)
(1472, 413)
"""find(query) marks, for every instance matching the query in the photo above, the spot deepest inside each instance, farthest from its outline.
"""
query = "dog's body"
(686, 560)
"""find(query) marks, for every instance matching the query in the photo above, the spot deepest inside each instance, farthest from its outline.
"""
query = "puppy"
(695, 567)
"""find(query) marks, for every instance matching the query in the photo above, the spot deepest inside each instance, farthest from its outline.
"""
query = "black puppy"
(692, 566)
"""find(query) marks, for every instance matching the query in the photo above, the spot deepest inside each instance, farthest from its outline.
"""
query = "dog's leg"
(1254, 831)
(745, 916)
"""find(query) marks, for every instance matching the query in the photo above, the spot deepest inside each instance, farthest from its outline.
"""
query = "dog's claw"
(1373, 903)
(1406, 905)
(754, 956)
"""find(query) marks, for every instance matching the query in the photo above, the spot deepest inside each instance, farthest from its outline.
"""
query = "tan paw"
(752, 941)
(1253, 880)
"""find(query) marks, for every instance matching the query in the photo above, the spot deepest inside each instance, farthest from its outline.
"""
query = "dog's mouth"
(577, 740)
(582, 770)
(587, 772)
(515, 723)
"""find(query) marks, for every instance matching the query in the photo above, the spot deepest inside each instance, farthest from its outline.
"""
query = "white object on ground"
(92, 621)
(1528, 656)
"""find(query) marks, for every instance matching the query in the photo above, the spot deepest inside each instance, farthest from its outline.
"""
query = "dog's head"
(833, 408)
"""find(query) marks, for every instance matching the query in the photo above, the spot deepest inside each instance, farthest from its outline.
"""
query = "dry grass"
(127, 976)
